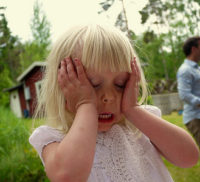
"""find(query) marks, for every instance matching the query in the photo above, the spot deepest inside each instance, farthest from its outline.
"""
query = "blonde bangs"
(103, 51)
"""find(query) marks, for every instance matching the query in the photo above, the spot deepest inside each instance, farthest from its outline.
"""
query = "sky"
(64, 13)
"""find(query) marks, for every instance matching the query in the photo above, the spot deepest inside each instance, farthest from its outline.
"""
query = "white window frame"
(27, 93)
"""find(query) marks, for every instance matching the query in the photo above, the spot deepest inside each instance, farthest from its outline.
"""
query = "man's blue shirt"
(188, 77)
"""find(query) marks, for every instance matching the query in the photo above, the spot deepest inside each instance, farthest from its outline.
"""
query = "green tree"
(169, 13)
(10, 48)
(37, 49)
(169, 22)
(174, 21)
(40, 27)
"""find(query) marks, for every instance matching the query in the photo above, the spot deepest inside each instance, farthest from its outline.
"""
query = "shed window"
(27, 93)
(38, 86)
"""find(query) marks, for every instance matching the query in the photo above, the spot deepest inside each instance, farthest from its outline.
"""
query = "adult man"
(188, 77)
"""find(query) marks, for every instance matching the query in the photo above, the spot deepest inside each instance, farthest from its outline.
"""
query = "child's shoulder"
(153, 109)
(44, 135)
(46, 130)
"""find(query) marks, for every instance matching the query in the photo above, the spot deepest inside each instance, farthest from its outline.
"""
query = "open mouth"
(105, 117)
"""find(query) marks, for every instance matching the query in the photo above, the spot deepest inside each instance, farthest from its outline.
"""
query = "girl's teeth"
(105, 116)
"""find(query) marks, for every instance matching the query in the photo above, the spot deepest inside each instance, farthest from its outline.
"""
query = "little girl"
(96, 129)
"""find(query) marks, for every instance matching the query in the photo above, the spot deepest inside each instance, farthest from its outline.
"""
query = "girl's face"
(109, 87)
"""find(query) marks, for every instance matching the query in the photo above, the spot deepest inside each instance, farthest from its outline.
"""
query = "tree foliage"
(40, 26)
(159, 61)
(171, 12)
(169, 23)
(181, 20)
(16, 56)
(10, 48)
(37, 49)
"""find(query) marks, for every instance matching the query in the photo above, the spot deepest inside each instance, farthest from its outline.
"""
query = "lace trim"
(123, 155)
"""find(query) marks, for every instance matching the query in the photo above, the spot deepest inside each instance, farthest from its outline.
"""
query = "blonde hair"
(98, 47)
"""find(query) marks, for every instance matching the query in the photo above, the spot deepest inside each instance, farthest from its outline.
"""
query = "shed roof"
(37, 63)
(12, 88)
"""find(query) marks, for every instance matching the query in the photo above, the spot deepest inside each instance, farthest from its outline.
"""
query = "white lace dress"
(122, 154)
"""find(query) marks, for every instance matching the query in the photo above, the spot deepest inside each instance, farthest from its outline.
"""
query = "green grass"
(19, 162)
(179, 174)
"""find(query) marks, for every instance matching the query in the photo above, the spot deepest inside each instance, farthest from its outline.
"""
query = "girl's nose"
(105, 100)
(108, 97)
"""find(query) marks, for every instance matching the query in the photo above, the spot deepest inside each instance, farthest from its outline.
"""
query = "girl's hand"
(74, 84)
(131, 91)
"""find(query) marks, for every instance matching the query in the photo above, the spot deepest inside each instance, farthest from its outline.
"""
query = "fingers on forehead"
(135, 69)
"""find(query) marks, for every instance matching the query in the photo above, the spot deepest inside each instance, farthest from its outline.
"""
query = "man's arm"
(185, 82)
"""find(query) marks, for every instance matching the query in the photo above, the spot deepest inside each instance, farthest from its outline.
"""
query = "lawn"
(18, 160)
(20, 163)
(180, 174)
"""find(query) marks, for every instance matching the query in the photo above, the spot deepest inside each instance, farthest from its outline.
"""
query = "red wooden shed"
(23, 96)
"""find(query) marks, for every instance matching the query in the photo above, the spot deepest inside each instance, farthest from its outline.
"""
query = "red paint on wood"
(34, 76)
(22, 99)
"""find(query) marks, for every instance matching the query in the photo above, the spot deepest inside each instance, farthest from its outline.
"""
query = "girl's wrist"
(89, 105)
(88, 113)
(127, 112)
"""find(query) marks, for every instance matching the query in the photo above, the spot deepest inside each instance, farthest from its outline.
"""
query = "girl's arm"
(173, 142)
(72, 158)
